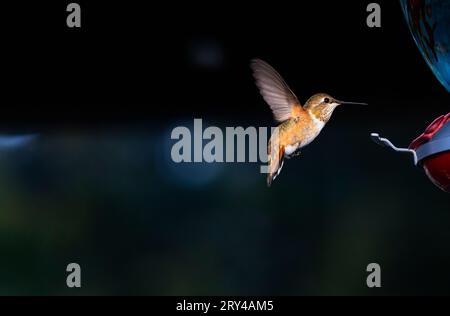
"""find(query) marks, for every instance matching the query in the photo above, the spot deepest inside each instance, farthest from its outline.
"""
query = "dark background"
(96, 184)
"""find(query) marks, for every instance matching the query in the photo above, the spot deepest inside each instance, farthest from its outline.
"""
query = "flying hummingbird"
(299, 125)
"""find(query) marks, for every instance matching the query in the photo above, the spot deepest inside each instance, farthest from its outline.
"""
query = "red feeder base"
(437, 168)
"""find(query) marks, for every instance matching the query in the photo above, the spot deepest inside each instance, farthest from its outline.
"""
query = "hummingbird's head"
(322, 105)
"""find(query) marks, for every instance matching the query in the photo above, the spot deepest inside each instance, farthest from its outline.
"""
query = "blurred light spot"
(206, 54)
(13, 141)
(190, 174)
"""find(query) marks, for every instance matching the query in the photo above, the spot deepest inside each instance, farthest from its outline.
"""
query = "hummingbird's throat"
(323, 112)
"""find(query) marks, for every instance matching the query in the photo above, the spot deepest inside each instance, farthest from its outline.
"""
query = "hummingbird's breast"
(300, 132)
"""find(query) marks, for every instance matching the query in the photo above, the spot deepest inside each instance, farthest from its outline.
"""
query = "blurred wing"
(275, 91)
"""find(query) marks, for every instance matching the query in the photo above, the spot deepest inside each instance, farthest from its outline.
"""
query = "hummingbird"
(299, 125)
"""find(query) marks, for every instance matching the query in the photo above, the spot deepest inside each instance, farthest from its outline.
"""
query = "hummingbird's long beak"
(356, 103)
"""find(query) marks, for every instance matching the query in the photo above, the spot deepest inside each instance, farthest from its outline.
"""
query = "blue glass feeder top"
(429, 22)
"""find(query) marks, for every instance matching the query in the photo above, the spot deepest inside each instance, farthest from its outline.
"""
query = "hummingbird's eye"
(326, 100)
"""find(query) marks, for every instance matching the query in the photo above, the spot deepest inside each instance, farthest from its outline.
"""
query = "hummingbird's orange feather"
(297, 111)
(297, 129)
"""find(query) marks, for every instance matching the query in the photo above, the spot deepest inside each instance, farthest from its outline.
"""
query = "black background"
(132, 61)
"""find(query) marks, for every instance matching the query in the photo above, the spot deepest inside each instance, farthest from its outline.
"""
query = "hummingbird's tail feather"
(272, 176)
(276, 161)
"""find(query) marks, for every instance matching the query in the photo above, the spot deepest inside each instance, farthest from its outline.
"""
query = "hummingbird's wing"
(275, 91)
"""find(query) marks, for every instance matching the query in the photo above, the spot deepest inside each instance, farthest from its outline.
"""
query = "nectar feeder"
(431, 151)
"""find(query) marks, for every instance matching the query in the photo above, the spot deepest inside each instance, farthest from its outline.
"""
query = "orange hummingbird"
(300, 125)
